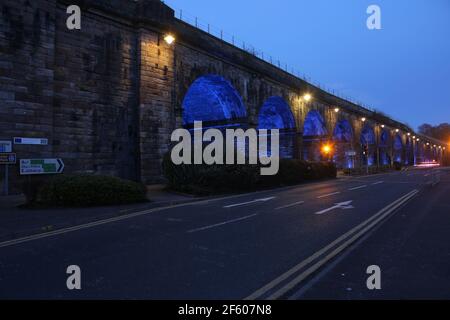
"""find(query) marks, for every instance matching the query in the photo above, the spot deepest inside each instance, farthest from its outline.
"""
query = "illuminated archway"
(385, 140)
(314, 133)
(344, 155)
(368, 142)
(276, 114)
(398, 148)
(213, 100)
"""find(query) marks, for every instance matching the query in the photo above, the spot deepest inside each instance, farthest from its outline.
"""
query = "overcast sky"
(402, 70)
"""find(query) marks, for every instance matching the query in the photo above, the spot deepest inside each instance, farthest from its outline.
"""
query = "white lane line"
(328, 195)
(378, 182)
(248, 202)
(357, 188)
(426, 175)
(222, 223)
(290, 205)
(362, 228)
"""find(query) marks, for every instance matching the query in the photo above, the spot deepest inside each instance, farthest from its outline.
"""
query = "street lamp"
(363, 119)
(307, 97)
(327, 150)
(169, 39)
(383, 126)
(397, 130)
(336, 110)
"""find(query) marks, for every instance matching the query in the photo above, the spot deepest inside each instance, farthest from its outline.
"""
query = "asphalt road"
(269, 244)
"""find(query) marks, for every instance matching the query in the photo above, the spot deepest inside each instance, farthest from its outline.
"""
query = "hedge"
(83, 191)
(210, 179)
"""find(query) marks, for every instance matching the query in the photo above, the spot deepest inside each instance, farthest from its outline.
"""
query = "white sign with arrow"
(341, 205)
(41, 166)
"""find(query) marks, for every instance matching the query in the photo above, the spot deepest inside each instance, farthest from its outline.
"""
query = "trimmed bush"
(397, 166)
(86, 191)
(204, 179)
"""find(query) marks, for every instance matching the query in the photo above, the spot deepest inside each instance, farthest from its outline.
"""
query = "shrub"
(87, 191)
(204, 179)
(397, 166)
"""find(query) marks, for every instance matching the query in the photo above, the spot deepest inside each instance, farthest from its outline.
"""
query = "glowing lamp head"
(336, 110)
(326, 149)
(383, 126)
(169, 39)
(307, 97)
(363, 119)
(397, 130)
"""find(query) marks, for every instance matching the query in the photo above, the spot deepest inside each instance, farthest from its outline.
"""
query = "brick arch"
(213, 99)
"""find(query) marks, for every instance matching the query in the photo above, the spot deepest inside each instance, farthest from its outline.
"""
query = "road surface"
(266, 245)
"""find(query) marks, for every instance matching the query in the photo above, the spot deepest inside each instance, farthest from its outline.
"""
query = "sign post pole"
(6, 180)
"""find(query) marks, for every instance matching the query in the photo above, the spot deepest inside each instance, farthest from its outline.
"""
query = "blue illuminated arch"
(398, 144)
(384, 138)
(343, 131)
(367, 135)
(276, 114)
(314, 124)
(211, 98)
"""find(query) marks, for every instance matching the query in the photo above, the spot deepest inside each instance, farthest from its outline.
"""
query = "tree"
(440, 132)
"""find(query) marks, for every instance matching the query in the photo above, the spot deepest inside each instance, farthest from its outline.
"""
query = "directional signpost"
(41, 166)
(32, 141)
(6, 158)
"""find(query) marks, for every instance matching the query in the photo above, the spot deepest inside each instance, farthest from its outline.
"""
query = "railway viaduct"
(109, 95)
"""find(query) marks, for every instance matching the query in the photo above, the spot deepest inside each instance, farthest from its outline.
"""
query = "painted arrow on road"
(342, 205)
(249, 202)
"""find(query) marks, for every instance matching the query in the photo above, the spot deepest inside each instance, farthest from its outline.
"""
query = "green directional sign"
(41, 166)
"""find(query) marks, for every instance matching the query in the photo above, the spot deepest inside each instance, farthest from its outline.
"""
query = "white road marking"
(222, 223)
(328, 195)
(290, 205)
(356, 188)
(353, 235)
(378, 182)
(342, 205)
(249, 202)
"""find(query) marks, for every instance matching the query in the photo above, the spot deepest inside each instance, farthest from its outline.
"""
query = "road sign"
(35, 141)
(41, 166)
(341, 205)
(5, 146)
(8, 158)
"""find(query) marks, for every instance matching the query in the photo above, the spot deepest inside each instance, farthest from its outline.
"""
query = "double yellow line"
(287, 282)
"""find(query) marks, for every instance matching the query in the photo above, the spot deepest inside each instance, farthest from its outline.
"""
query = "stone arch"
(368, 140)
(314, 134)
(213, 100)
(398, 148)
(384, 147)
(277, 114)
(343, 134)
(409, 151)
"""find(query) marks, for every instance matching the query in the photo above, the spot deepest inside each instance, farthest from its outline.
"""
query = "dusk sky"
(402, 70)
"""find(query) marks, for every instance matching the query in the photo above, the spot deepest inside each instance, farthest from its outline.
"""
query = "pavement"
(273, 244)
(16, 222)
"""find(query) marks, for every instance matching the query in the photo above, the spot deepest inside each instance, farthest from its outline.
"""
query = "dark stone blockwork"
(108, 96)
